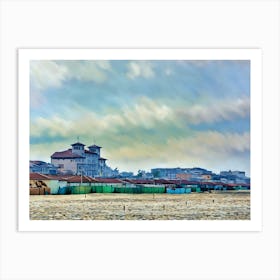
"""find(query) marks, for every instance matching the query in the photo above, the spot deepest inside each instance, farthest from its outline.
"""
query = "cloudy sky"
(145, 114)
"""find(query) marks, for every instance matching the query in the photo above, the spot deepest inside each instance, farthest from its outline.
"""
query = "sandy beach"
(97, 206)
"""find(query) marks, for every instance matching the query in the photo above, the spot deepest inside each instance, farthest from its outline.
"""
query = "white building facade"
(79, 160)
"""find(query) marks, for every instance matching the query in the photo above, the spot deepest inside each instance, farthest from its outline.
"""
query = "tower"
(78, 148)
(95, 149)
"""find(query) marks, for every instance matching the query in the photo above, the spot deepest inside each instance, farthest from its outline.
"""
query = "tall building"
(79, 160)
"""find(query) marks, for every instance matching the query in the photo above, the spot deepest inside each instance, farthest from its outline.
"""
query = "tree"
(140, 173)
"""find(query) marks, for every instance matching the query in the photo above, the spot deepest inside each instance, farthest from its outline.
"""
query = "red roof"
(108, 180)
(65, 154)
(78, 179)
(38, 176)
(60, 177)
(139, 181)
(164, 182)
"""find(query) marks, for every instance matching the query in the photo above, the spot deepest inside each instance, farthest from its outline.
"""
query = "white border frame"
(254, 55)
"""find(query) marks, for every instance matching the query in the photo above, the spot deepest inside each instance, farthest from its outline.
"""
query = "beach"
(223, 205)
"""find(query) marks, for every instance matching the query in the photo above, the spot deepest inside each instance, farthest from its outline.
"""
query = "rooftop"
(38, 176)
(77, 144)
(94, 146)
(65, 154)
(78, 179)
(108, 180)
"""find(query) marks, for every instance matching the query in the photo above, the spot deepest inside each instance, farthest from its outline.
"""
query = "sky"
(144, 114)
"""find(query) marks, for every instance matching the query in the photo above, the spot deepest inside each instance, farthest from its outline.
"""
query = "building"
(79, 160)
(234, 177)
(38, 166)
(239, 174)
(183, 176)
(53, 182)
(195, 173)
(167, 173)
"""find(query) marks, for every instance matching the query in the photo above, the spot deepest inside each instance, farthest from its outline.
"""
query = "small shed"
(37, 180)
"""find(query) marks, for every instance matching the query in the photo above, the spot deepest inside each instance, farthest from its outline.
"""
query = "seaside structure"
(79, 160)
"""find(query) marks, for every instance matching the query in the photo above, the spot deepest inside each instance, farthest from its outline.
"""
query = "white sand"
(98, 206)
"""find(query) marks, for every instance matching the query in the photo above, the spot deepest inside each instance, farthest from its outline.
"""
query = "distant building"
(38, 166)
(195, 173)
(167, 173)
(240, 174)
(79, 160)
(234, 177)
(206, 177)
(183, 176)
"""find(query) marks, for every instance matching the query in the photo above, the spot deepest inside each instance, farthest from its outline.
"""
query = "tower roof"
(77, 144)
(94, 146)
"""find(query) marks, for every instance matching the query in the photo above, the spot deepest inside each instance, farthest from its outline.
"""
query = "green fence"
(146, 189)
(128, 189)
(108, 189)
(196, 189)
(102, 189)
(80, 189)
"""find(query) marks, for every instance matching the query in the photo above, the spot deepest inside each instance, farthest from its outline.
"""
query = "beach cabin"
(166, 183)
(37, 180)
(62, 183)
(190, 186)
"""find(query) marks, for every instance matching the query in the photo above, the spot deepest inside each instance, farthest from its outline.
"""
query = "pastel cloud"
(216, 110)
(47, 73)
(88, 70)
(146, 113)
(44, 74)
(140, 69)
